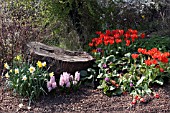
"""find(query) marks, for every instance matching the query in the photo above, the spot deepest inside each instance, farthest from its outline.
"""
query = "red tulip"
(134, 56)
(142, 35)
(156, 95)
(142, 100)
(161, 69)
(133, 101)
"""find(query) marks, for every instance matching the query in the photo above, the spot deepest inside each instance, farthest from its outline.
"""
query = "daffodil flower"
(18, 57)
(6, 66)
(10, 71)
(16, 71)
(44, 64)
(24, 78)
(39, 64)
(51, 74)
(7, 75)
(32, 69)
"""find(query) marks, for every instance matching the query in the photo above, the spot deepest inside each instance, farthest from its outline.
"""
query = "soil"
(86, 99)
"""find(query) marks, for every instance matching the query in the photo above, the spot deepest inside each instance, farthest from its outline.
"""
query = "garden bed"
(86, 99)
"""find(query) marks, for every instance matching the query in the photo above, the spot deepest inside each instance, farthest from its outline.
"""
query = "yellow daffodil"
(24, 78)
(18, 57)
(16, 71)
(143, 16)
(51, 74)
(10, 70)
(6, 66)
(39, 64)
(32, 69)
(44, 64)
(7, 75)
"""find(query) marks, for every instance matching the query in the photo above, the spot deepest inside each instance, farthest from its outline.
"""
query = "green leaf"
(99, 87)
(111, 58)
(112, 88)
(100, 75)
(160, 81)
(148, 91)
(140, 81)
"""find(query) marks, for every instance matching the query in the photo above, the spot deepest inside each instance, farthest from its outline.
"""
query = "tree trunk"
(59, 60)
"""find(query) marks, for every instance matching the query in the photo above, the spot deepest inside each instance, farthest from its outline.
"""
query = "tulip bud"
(113, 82)
(156, 95)
(142, 100)
(133, 101)
(107, 79)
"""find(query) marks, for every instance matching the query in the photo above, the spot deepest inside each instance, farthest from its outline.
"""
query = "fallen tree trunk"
(59, 60)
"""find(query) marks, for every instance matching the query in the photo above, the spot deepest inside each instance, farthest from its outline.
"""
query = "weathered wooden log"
(58, 59)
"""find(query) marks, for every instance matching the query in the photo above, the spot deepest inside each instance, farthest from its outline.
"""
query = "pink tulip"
(68, 84)
(77, 76)
(74, 82)
(49, 89)
(61, 82)
(54, 85)
(52, 79)
(48, 84)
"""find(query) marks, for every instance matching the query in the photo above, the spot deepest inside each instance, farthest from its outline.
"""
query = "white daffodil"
(44, 64)
(6, 66)
(7, 75)
(32, 69)
(16, 71)
(24, 78)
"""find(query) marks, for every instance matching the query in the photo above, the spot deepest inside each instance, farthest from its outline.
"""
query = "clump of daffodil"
(51, 74)
(39, 64)
(28, 77)
(6, 66)
(32, 69)
(16, 71)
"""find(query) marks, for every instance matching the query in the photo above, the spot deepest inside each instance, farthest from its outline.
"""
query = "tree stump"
(59, 60)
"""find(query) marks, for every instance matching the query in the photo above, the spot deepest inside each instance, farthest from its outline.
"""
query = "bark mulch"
(86, 99)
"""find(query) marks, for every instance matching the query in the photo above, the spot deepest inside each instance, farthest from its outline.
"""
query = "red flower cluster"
(115, 36)
(156, 56)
